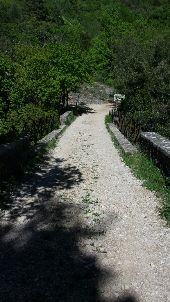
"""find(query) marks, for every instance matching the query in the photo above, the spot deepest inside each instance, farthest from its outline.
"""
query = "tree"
(37, 9)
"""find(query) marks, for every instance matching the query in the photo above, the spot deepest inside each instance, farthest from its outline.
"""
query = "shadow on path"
(40, 258)
(43, 176)
(81, 108)
(40, 255)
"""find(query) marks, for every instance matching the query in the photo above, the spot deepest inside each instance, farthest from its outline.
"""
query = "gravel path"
(109, 240)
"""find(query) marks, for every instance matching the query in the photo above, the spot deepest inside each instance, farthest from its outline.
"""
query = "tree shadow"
(81, 108)
(44, 175)
(56, 174)
(41, 259)
(41, 256)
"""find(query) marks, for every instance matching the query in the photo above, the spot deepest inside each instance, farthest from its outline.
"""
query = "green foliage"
(6, 78)
(10, 10)
(36, 9)
(143, 77)
(49, 48)
(28, 120)
(108, 119)
(42, 80)
(132, 53)
(42, 60)
(70, 119)
(35, 79)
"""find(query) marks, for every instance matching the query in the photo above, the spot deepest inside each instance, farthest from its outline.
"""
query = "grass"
(144, 168)
(71, 118)
(51, 144)
(87, 199)
(88, 202)
(108, 119)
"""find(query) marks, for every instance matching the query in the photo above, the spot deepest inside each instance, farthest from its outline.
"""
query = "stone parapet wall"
(126, 146)
(64, 117)
(158, 148)
(13, 156)
(41, 144)
(155, 145)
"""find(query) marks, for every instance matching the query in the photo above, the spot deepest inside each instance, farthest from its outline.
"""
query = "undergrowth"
(145, 169)
(108, 119)
(71, 118)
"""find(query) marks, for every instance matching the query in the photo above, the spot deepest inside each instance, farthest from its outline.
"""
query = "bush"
(28, 120)
(6, 80)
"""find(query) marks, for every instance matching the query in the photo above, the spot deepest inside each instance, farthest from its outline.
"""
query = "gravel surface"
(83, 228)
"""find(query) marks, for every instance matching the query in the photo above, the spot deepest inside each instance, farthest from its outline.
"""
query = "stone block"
(127, 147)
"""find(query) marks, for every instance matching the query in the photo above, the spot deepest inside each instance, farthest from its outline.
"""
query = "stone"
(127, 147)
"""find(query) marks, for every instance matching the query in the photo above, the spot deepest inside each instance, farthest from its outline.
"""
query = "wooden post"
(112, 115)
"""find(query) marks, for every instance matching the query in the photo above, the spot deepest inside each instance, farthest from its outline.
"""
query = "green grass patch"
(71, 118)
(145, 169)
(51, 144)
(108, 119)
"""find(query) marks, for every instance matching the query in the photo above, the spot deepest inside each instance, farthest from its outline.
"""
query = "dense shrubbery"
(35, 84)
(41, 61)
(30, 120)
(144, 78)
(133, 54)
(48, 48)
(6, 80)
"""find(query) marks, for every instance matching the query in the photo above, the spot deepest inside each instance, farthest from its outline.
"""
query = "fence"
(158, 148)
(40, 127)
(128, 126)
(14, 155)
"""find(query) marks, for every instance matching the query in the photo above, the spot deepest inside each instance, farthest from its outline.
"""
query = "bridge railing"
(155, 145)
(128, 126)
